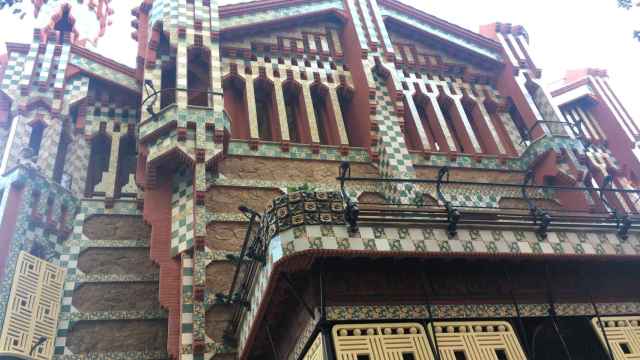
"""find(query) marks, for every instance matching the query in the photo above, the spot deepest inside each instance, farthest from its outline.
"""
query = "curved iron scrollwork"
(152, 95)
(352, 211)
(541, 218)
(453, 214)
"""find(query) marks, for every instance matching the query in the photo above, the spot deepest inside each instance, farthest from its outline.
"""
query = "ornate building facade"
(330, 179)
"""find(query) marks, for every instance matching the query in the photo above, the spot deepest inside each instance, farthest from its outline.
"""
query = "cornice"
(455, 29)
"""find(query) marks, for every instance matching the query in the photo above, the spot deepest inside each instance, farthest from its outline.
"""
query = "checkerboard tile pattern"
(104, 72)
(395, 161)
(182, 212)
(13, 73)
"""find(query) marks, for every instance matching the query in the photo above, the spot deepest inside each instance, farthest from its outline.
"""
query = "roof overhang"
(444, 31)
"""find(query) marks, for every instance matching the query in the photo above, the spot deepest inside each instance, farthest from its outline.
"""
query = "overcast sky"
(564, 34)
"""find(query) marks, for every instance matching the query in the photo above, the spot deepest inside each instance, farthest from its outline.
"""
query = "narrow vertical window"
(266, 114)
(235, 103)
(35, 140)
(58, 167)
(345, 100)
(410, 131)
(198, 76)
(126, 161)
(325, 120)
(98, 162)
(168, 82)
(292, 94)
(517, 119)
(429, 123)
(469, 109)
(445, 106)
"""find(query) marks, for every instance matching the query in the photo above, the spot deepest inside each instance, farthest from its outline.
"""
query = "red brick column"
(157, 212)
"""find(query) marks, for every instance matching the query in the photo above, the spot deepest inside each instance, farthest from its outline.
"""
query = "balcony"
(301, 231)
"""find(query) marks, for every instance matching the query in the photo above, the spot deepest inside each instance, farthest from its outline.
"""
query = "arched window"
(98, 161)
(475, 120)
(447, 107)
(126, 161)
(296, 113)
(58, 167)
(266, 113)
(410, 131)
(235, 102)
(430, 124)
(517, 119)
(168, 81)
(325, 119)
(35, 140)
(198, 76)
(345, 99)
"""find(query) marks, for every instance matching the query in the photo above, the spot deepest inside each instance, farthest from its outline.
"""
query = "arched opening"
(296, 113)
(325, 119)
(478, 126)
(495, 114)
(168, 81)
(198, 76)
(410, 131)
(345, 99)
(430, 124)
(168, 70)
(126, 162)
(35, 139)
(58, 167)
(235, 102)
(98, 161)
(448, 108)
(266, 113)
(518, 120)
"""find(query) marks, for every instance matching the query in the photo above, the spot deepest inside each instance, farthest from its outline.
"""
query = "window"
(327, 129)
(235, 103)
(460, 355)
(363, 357)
(446, 104)
(408, 356)
(168, 81)
(294, 105)
(126, 161)
(517, 119)
(266, 114)
(35, 140)
(58, 167)
(430, 123)
(98, 162)
(198, 76)
(501, 354)
(469, 107)
(345, 100)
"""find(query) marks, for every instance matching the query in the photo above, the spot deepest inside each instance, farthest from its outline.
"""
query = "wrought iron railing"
(262, 228)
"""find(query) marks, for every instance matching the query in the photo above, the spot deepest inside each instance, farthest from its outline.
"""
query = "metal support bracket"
(233, 297)
(453, 214)
(541, 218)
(623, 222)
(352, 211)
